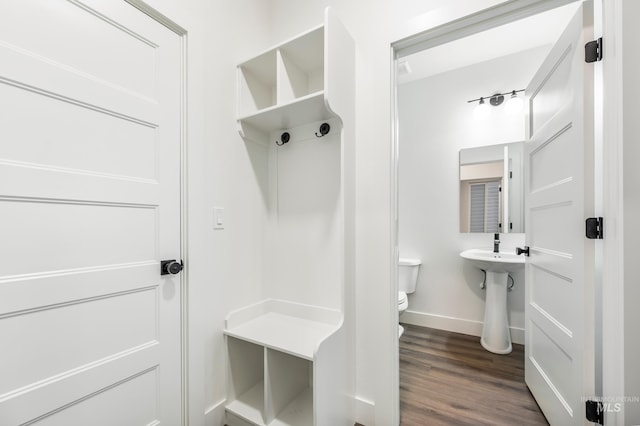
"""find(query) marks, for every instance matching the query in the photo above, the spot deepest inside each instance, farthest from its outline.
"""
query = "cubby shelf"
(271, 348)
(297, 82)
(296, 336)
(290, 363)
(295, 113)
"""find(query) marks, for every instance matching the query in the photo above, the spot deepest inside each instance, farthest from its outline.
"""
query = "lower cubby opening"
(289, 390)
(267, 386)
(245, 380)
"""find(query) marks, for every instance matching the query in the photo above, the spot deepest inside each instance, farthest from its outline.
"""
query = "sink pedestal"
(495, 332)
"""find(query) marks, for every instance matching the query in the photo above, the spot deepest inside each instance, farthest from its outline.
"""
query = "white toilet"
(407, 280)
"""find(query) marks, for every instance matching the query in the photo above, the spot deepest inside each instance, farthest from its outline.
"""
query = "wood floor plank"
(449, 379)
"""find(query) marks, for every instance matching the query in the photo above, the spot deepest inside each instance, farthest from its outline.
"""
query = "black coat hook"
(324, 129)
(284, 138)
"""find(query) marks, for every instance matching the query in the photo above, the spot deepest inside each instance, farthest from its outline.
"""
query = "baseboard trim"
(365, 411)
(214, 415)
(456, 325)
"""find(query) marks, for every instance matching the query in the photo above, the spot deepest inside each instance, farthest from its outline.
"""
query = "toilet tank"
(408, 274)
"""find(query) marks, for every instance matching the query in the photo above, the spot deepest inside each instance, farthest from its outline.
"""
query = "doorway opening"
(432, 121)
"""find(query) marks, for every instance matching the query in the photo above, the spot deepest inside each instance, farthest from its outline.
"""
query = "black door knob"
(524, 250)
(170, 267)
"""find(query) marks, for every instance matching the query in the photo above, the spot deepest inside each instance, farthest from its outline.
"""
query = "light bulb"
(514, 104)
(482, 110)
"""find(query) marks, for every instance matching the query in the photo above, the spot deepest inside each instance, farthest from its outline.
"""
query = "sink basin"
(496, 336)
(494, 262)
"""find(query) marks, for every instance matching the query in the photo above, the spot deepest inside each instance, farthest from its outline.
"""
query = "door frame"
(608, 92)
(184, 204)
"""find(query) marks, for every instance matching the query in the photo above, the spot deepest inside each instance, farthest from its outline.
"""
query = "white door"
(559, 185)
(89, 203)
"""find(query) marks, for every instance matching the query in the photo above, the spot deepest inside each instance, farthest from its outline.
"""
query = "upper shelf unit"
(291, 84)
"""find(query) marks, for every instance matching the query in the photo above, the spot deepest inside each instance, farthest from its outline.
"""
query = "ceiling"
(538, 30)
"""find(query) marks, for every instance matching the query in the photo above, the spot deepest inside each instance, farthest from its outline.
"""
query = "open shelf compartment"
(257, 83)
(245, 380)
(284, 87)
(289, 390)
(271, 350)
(300, 67)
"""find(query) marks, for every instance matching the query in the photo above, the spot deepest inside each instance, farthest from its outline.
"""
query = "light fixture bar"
(511, 92)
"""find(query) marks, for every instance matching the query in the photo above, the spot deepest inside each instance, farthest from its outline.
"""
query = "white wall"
(303, 246)
(435, 123)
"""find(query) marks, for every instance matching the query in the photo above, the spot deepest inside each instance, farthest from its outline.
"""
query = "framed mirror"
(491, 189)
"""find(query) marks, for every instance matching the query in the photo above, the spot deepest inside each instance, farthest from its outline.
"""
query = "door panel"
(89, 204)
(558, 363)
(105, 40)
(117, 146)
(57, 236)
(551, 156)
(120, 406)
(553, 91)
(38, 329)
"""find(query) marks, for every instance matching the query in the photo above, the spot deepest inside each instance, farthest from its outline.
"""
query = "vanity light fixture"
(513, 105)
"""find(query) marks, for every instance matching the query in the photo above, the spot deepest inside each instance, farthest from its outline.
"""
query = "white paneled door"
(559, 367)
(90, 157)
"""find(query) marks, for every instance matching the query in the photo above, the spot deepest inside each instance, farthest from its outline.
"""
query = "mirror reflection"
(491, 189)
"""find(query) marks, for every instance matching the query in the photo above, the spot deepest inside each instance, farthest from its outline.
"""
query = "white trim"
(395, 252)
(455, 325)
(613, 270)
(365, 411)
(157, 16)
(184, 232)
(474, 23)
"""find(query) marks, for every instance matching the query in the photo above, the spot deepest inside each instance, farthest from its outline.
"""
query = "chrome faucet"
(496, 243)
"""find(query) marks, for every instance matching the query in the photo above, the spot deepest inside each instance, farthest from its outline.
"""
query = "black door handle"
(170, 267)
(524, 251)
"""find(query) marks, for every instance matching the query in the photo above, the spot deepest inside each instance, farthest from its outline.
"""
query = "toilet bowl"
(403, 301)
(407, 282)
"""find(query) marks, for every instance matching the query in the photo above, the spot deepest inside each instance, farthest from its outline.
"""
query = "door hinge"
(593, 51)
(594, 411)
(594, 228)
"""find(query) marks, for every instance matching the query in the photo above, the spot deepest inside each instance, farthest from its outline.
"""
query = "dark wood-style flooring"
(449, 379)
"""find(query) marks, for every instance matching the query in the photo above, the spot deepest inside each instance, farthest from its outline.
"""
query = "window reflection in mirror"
(491, 189)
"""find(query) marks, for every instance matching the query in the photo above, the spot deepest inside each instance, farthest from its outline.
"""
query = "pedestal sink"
(495, 331)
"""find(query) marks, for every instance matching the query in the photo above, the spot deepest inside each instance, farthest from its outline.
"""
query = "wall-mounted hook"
(324, 129)
(284, 138)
